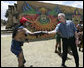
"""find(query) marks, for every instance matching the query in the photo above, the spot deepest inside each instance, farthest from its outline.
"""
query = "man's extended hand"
(40, 32)
(44, 32)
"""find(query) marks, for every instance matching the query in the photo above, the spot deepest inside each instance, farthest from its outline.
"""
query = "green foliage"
(32, 11)
(53, 12)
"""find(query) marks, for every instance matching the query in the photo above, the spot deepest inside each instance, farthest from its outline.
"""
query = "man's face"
(61, 18)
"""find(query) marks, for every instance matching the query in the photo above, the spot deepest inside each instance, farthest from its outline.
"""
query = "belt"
(69, 37)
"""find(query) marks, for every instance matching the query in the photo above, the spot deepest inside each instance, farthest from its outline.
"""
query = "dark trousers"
(70, 43)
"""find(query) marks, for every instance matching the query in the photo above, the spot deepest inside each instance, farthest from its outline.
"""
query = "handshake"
(44, 32)
(40, 32)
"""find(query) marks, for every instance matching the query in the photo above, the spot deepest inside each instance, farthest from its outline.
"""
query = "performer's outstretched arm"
(34, 33)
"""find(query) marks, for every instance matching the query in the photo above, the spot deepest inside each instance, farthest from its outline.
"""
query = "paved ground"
(3, 27)
(37, 54)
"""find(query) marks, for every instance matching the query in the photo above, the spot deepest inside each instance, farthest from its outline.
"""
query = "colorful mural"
(43, 18)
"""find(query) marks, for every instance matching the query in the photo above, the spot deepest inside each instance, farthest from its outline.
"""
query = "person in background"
(80, 34)
(58, 43)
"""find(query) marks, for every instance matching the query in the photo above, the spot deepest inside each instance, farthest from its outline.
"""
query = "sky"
(4, 5)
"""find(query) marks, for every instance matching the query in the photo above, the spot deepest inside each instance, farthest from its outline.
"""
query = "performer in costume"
(19, 37)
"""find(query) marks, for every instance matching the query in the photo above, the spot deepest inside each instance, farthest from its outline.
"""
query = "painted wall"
(44, 16)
